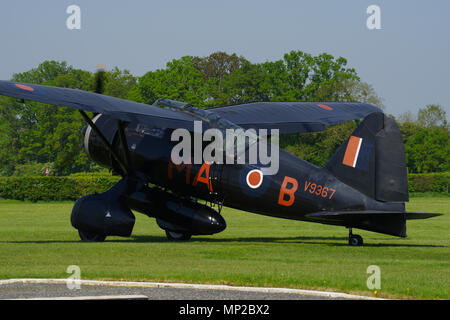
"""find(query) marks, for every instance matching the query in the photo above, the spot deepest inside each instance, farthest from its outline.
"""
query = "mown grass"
(37, 241)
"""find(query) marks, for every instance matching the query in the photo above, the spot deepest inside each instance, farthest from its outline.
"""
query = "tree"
(119, 83)
(179, 81)
(253, 83)
(218, 64)
(9, 135)
(45, 72)
(405, 117)
(316, 78)
(49, 134)
(432, 115)
(428, 150)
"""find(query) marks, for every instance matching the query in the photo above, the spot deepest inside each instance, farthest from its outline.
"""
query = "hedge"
(54, 188)
(75, 186)
(429, 182)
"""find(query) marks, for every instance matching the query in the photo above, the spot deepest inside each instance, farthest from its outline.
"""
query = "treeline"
(35, 136)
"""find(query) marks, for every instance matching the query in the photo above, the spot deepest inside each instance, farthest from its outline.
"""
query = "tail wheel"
(91, 237)
(355, 240)
(176, 236)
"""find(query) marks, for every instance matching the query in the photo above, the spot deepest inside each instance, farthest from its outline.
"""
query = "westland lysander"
(363, 185)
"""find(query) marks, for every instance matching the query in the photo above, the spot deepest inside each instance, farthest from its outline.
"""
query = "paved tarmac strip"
(105, 290)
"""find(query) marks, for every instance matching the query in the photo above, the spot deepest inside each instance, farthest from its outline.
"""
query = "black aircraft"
(363, 185)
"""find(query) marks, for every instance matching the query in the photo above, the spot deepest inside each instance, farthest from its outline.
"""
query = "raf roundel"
(24, 87)
(254, 178)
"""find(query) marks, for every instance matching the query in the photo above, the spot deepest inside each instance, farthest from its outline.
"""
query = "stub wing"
(392, 223)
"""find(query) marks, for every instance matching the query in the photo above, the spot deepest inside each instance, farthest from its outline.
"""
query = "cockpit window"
(242, 140)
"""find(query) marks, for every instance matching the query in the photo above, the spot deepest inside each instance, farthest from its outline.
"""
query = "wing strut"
(122, 165)
(124, 144)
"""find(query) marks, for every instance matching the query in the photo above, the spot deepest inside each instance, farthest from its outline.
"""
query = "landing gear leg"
(354, 239)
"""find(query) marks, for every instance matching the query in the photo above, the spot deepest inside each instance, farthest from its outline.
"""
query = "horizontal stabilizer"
(392, 223)
(421, 215)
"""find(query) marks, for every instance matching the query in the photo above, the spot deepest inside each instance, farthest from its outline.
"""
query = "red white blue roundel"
(254, 178)
(252, 182)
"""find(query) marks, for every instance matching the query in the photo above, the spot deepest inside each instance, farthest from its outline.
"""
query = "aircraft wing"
(83, 100)
(288, 117)
(291, 117)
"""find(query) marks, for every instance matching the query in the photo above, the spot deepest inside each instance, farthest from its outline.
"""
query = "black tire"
(176, 236)
(91, 237)
(355, 240)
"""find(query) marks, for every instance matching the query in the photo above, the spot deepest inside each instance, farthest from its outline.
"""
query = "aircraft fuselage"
(298, 188)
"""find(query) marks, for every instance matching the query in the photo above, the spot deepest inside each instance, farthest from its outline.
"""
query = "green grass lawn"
(37, 241)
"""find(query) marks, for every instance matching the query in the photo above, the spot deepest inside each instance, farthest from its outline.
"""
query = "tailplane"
(392, 223)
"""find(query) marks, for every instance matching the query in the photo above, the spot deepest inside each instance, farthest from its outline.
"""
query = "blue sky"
(407, 61)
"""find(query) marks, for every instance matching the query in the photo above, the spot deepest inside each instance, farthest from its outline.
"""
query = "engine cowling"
(93, 145)
(97, 214)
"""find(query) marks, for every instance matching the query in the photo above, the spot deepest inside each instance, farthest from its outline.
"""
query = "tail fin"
(373, 161)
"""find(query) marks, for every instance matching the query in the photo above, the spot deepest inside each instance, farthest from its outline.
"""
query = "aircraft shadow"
(328, 241)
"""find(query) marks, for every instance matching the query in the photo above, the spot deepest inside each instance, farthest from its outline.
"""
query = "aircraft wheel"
(355, 240)
(91, 237)
(176, 236)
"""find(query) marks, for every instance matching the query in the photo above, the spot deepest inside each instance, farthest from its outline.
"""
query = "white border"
(357, 153)
(260, 174)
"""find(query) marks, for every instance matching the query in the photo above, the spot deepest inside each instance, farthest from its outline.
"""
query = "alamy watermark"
(373, 21)
(73, 22)
(73, 282)
(374, 280)
(229, 146)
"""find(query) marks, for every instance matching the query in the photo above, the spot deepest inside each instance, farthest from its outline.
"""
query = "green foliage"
(34, 133)
(119, 83)
(430, 182)
(433, 115)
(33, 169)
(426, 140)
(179, 81)
(54, 188)
(218, 65)
(317, 148)
(428, 150)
